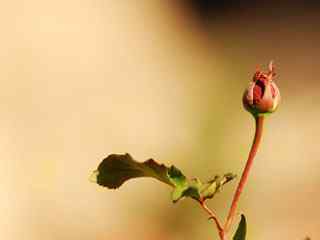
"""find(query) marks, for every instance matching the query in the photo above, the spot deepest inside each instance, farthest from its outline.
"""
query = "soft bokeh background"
(156, 78)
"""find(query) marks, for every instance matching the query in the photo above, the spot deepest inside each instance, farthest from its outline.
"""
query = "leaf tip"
(242, 229)
(229, 177)
(94, 176)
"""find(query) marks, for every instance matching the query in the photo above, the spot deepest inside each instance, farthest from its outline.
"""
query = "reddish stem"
(244, 177)
(214, 218)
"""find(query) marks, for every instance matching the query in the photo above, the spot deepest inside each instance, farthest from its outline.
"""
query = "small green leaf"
(185, 189)
(196, 189)
(209, 189)
(242, 229)
(116, 169)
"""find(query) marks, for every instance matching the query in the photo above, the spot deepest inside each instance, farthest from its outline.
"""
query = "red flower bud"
(262, 96)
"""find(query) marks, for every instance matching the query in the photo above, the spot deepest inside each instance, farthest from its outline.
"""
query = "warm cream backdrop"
(81, 79)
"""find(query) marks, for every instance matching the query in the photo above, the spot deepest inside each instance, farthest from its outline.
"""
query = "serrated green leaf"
(179, 182)
(176, 177)
(242, 229)
(116, 169)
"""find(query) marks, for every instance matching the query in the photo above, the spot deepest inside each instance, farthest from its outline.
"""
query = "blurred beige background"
(82, 79)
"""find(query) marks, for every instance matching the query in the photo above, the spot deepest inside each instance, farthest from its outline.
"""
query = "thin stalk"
(214, 218)
(244, 177)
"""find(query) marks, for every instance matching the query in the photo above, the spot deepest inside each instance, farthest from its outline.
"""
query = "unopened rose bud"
(262, 96)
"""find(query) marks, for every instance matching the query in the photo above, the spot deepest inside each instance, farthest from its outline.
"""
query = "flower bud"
(262, 96)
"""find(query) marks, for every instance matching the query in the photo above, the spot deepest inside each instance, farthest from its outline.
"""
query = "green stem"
(244, 177)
